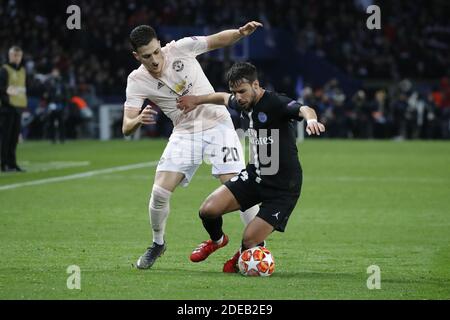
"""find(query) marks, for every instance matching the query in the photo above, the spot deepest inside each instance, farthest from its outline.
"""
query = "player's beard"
(252, 102)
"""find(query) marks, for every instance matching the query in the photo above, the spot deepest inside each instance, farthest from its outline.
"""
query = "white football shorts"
(218, 146)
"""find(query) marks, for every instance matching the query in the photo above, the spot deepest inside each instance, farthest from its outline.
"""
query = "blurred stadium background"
(363, 202)
(390, 83)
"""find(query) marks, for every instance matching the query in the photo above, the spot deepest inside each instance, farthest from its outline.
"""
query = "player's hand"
(314, 127)
(187, 103)
(249, 28)
(147, 116)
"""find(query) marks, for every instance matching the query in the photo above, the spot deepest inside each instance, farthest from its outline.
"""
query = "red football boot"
(231, 266)
(206, 248)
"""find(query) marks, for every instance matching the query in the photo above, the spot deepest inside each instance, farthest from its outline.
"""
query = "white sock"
(159, 211)
(249, 214)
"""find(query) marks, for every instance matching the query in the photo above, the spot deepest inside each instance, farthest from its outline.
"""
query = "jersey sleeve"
(134, 99)
(290, 108)
(192, 46)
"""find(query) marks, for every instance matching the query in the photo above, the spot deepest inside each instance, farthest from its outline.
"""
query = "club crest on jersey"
(262, 117)
(178, 65)
(160, 85)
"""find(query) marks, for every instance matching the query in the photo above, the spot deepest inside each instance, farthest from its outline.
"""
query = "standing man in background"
(57, 97)
(13, 100)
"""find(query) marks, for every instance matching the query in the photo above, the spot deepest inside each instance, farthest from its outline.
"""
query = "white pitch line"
(78, 175)
(53, 165)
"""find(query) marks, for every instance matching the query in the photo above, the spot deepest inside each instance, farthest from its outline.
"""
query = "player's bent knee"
(159, 198)
(209, 210)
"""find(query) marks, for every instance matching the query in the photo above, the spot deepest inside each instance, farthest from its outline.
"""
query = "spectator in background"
(400, 108)
(431, 130)
(380, 115)
(360, 117)
(79, 117)
(13, 101)
(307, 96)
(56, 95)
(445, 108)
(333, 102)
(340, 114)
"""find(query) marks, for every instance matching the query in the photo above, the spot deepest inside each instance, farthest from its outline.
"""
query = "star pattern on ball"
(257, 261)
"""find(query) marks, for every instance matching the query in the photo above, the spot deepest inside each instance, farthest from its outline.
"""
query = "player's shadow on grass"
(314, 275)
(182, 271)
(277, 274)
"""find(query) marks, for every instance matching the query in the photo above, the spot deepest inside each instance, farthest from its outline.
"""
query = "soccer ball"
(257, 261)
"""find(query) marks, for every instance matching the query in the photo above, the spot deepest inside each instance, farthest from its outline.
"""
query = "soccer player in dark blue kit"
(273, 176)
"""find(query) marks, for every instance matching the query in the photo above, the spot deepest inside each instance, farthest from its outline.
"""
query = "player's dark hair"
(241, 71)
(15, 49)
(141, 36)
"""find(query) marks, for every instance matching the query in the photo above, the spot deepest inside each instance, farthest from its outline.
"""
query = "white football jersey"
(181, 75)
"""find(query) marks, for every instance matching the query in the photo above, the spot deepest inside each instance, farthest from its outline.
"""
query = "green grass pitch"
(363, 203)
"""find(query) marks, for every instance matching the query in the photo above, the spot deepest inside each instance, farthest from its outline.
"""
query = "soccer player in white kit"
(204, 134)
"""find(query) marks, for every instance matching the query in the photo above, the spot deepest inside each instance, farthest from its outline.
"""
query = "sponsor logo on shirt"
(180, 86)
(185, 92)
(254, 139)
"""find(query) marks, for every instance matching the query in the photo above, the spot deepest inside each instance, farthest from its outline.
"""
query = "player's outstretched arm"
(189, 103)
(313, 126)
(133, 119)
(228, 37)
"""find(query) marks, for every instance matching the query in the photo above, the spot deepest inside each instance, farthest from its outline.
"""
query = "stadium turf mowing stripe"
(78, 175)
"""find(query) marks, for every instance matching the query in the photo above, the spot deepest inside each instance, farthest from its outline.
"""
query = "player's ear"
(255, 84)
(136, 55)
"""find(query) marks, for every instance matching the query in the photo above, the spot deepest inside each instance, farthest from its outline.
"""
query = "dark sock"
(243, 247)
(213, 227)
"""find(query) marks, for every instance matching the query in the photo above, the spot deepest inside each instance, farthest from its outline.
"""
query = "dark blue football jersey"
(271, 128)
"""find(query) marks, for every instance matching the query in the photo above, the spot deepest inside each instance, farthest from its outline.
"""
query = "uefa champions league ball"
(257, 261)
